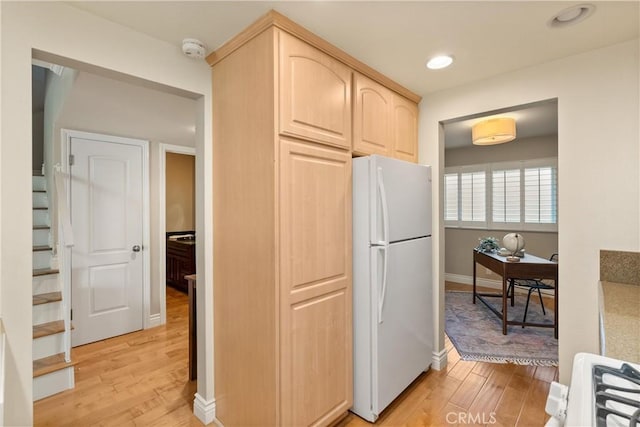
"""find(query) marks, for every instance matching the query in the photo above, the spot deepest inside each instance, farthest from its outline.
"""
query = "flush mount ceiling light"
(494, 131)
(438, 62)
(572, 15)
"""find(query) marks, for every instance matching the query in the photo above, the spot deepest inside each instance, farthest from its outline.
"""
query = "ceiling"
(487, 38)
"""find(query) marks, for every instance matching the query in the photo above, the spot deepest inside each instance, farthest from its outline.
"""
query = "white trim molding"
(154, 320)
(162, 220)
(205, 410)
(439, 359)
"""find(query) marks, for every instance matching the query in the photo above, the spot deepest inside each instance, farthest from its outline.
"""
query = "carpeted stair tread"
(45, 271)
(46, 329)
(47, 298)
(50, 364)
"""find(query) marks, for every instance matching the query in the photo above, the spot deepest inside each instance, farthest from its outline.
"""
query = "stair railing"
(65, 242)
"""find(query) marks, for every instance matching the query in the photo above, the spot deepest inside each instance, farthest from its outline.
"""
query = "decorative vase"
(514, 243)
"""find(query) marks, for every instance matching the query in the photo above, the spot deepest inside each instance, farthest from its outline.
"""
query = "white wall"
(598, 162)
(62, 30)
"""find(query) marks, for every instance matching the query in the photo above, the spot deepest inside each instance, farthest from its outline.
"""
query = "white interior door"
(107, 260)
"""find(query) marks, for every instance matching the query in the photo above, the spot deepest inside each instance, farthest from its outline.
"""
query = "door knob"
(136, 248)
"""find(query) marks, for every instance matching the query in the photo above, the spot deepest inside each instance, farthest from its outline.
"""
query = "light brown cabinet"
(315, 283)
(385, 123)
(405, 129)
(372, 117)
(315, 94)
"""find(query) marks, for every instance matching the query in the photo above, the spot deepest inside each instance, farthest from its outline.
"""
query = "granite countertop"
(620, 304)
(621, 316)
(184, 242)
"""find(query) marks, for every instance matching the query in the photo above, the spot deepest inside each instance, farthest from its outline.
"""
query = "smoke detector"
(193, 48)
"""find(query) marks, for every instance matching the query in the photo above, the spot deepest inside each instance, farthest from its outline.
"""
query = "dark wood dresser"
(181, 261)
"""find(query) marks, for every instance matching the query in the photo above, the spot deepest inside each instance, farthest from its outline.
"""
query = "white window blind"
(506, 195)
(473, 196)
(451, 197)
(540, 188)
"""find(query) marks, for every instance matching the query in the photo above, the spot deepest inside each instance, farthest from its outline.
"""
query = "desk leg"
(504, 304)
(474, 281)
(555, 308)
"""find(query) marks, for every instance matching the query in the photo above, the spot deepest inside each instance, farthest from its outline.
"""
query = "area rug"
(477, 333)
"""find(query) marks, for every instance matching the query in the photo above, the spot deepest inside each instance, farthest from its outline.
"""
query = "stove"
(617, 394)
(604, 392)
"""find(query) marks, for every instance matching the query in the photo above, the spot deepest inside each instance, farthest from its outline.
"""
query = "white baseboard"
(154, 320)
(205, 410)
(439, 360)
(487, 283)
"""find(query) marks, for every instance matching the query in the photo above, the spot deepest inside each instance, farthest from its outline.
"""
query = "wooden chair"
(532, 285)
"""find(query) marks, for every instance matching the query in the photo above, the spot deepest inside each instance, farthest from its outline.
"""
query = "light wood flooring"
(135, 379)
(141, 379)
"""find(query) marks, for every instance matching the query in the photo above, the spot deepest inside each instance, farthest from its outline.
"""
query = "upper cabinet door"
(405, 130)
(372, 117)
(315, 94)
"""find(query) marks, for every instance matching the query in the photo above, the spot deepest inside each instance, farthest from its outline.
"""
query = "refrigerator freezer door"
(403, 340)
(400, 200)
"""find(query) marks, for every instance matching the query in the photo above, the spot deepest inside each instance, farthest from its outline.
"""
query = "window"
(512, 196)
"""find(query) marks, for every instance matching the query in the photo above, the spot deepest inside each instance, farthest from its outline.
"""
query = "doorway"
(176, 215)
(491, 190)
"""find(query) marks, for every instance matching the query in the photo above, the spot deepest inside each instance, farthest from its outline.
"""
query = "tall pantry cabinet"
(282, 147)
(282, 234)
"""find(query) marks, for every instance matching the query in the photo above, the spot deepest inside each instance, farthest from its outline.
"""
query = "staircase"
(52, 366)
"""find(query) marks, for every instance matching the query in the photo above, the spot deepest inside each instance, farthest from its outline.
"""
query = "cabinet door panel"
(318, 376)
(315, 94)
(405, 132)
(315, 213)
(372, 117)
(315, 283)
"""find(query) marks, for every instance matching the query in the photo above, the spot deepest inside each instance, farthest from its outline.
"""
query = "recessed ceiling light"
(438, 62)
(572, 15)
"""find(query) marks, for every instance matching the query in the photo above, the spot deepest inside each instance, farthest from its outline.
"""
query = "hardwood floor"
(141, 379)
(470, 394)
(135, 379)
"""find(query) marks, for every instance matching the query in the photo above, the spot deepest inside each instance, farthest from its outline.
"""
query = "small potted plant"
(488, 244)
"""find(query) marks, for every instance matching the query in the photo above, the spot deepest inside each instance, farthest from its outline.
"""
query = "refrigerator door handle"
(385, 208)
(383, 291)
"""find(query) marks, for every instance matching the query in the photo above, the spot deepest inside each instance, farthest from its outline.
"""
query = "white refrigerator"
(392, 304)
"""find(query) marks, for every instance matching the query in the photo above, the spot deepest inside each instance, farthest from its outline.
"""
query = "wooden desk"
(529, 267)
(193, 342)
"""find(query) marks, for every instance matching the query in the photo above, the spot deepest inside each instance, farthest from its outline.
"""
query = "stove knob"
(557, 402)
